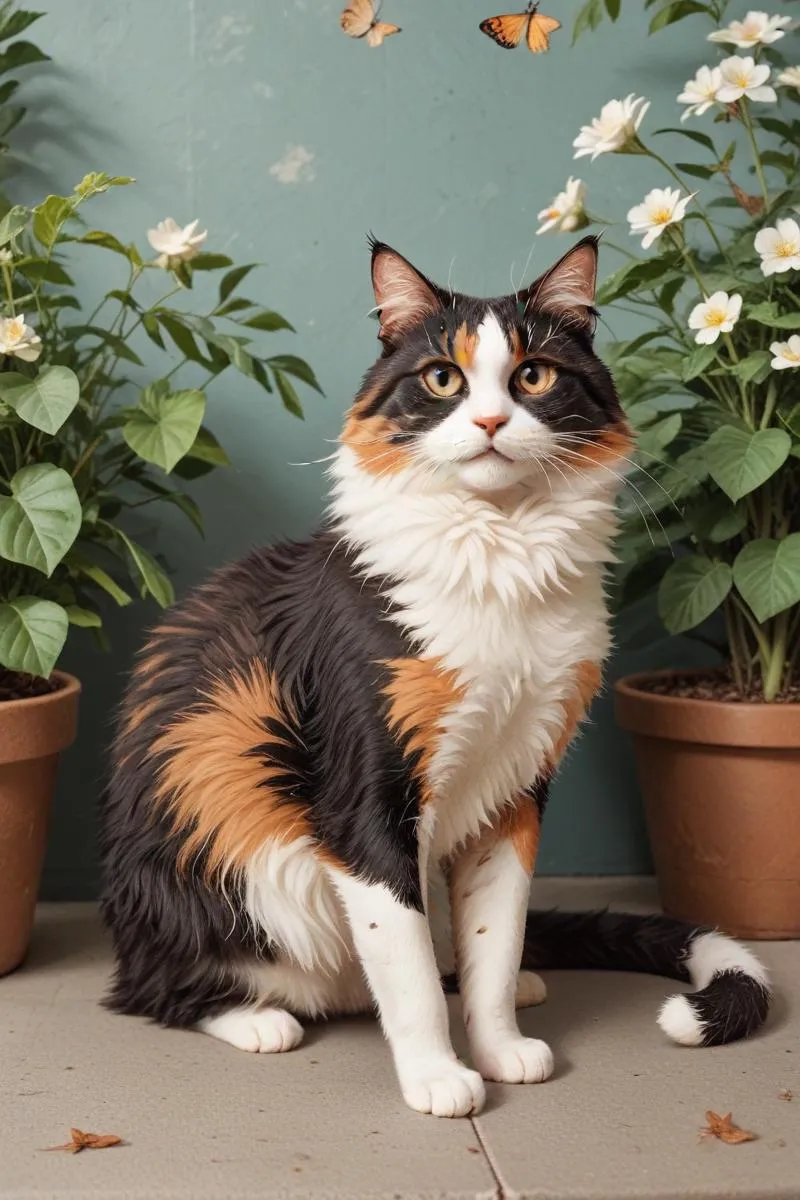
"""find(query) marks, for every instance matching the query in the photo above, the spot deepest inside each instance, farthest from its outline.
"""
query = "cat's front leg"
(489, 886)
(394, 944)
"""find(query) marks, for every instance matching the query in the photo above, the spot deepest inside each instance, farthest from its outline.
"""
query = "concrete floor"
(618, 1121)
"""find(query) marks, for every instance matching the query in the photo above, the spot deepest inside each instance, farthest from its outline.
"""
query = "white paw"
(443, 1087)
(261, 1031)
(531, 989)
(515, 1060)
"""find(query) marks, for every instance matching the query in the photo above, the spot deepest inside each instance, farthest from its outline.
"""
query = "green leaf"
(659, 436)
(231, 281)
(50, 216)
(634, 275)
(183, 338)
(740, 461)
(98, 181)
(691, 590)
(768, 313)
(21, 54)
(10, 117)
(17, 22)
(292, 365)
(613, 8)
(268, 321)
(793, 420)
(207, 449)
(41, 518)
(164, 427)
(287, 393)
(755, 368)
(204, 456)
(698, 361)
(39, 270)
(767, 575)
(84, 566)
(112, 340)
(675, 12)
(32, 634)
(13, 223)
(717, 521)
(44, 402)
(210, 262)
(696, 169)
(8, 89)
(98, 237)
(185, 503)
(153, 579)
(152, 330)
(83, 617)
(238, 304)
(702, 139)
(234, 350)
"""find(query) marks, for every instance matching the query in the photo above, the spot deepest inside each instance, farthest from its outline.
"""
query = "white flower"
(614, 129)
(742, 77)
(566, 212)
(19, 339)
(757, 29)
(790, 77)
(6, 258)
(701, 92)
(779, 247)
(175, 245)
(786, 354)
(717, 314)
(660, 208)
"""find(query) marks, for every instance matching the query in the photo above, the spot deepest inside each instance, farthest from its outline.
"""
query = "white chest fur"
(506, 595)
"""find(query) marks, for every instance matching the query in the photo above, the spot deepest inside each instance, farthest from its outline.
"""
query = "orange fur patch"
(612, 445)
(464, 346)
(218, 793)
(520, 822)
(139, 712)
(419, 695)
(587, 682)
(369, 437)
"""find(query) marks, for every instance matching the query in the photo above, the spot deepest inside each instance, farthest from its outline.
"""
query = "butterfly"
(507, 30)
(360, 19)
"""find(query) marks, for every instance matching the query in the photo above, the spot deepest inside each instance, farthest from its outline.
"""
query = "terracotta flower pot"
(32, 732)
(721, 785)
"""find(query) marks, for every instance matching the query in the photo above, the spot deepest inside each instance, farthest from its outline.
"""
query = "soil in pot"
(721, 785)
(38, 719)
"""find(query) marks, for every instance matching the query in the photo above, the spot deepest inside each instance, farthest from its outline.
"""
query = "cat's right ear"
(403, 297)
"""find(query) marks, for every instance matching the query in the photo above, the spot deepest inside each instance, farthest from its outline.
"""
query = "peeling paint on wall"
(295, 166)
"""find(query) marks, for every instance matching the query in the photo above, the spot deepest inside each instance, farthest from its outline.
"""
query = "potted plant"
(87, 438)
(711, 517)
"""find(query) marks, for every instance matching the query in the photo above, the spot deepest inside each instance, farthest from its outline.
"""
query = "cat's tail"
(732, 994)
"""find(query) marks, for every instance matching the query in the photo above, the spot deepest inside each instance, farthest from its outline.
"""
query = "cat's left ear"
(568, 289)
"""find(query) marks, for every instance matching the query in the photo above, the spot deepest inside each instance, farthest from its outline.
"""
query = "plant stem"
(747, 121)
(733, 643)
(773, 676)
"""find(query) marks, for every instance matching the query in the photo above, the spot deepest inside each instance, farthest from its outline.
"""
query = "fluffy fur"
(323, 727)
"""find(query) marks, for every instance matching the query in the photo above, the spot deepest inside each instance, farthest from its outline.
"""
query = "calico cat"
(311, 733)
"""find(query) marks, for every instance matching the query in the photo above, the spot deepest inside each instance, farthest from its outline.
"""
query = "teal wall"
(440, 142)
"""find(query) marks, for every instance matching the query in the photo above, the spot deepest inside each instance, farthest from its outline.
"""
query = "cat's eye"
(443, 380)
(534, 378)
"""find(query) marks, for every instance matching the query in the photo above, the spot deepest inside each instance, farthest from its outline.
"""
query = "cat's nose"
(490, 424)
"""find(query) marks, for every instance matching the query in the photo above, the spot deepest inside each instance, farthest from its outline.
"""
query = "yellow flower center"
(741, 80)
(716, 316)
(786, 249)
(662, 216)
(552, 213)
(15, 329)
(791, 355)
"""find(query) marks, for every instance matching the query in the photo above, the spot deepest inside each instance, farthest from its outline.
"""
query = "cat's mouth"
(490, 455)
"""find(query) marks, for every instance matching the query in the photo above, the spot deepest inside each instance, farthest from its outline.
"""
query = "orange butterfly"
(360, 19)
(507, 30)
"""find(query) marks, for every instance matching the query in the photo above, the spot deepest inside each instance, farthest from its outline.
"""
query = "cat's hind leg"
(531, 990)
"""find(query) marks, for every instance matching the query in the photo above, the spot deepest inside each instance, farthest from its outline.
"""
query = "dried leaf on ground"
(87, 1141)
(724, 1129)
(786, 1094)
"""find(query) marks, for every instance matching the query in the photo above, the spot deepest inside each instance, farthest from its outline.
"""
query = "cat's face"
(487, 394)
